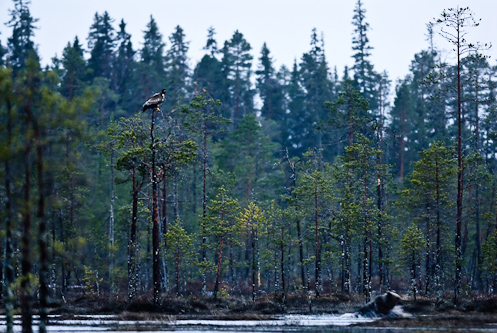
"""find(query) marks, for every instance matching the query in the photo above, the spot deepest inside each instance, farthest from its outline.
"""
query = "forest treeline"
(249, 179)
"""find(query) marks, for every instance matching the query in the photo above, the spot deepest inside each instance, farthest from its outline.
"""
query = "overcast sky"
(398, 26)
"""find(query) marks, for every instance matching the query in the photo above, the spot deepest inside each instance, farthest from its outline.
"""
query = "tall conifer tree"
(21, 44)
(364, 75)
(101, 44)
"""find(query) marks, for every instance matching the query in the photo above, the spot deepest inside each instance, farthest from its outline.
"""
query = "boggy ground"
(267, 304)
(241, 307)
(471, 312)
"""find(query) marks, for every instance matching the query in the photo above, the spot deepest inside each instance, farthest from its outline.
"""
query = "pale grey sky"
(398, 26)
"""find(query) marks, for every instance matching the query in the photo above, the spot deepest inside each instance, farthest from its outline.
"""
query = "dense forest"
(248, 179)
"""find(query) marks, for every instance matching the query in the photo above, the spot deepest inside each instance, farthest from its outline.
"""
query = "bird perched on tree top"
(154, 101)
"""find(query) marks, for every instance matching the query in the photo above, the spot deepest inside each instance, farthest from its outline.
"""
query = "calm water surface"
(286, 323)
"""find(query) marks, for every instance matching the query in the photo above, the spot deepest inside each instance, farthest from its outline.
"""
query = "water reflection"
(284, 323)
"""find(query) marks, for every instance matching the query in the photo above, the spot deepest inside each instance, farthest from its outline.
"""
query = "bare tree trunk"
(155, 220)
(460, 175)
(133, 243)
(111, 223)
(254, 266)
(438, 252)
(282, 266)
(165, 228)
(428, 249)
(177, 267)
(25, 293)
(477, 191)
(299, 233)
(9, 250)
(42, 229)
(380, 208)
(316, 241)
(204, 199)
(367, 258)
(219, 263)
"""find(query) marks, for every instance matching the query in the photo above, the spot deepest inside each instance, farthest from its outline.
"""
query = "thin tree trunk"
(133, 245)
(42, 230)
(204, 200)
(254, 266)
(316, 240)
(428, 249)
(9, 250)
(380, 208)
(25, 293)
(438, 252)
(282, 266)
(178, 258)
(219, 263)
(299, 233)
(111, 223)
(460, 180)
(477, 191)
(165, 228)
(366, 260)
(155, 220)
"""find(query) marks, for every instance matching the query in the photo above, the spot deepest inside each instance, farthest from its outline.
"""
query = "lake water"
(283, 323)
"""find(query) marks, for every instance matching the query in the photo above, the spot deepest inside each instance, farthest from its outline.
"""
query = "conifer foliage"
(250, 179)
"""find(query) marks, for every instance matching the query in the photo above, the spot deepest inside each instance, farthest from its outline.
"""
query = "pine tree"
(430, 201)
(221, 223)
(412, 245)
(253, 220)
(315, 195)
(454, 22)
(203, 119)
(180, 250)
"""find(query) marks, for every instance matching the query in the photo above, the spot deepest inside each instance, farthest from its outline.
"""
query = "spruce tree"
(101, 44)
(314, 79)
(20, 44)
(236, 68)
(207, 73)
(152, 52)
(178, 69)
(364, 74)
(74, 65)
(3, 52)
(296, 117)
(269, 88)
(124, 66)
(402, 127)
(151, 73)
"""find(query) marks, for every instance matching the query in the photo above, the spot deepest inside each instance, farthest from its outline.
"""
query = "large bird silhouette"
(154, 101)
